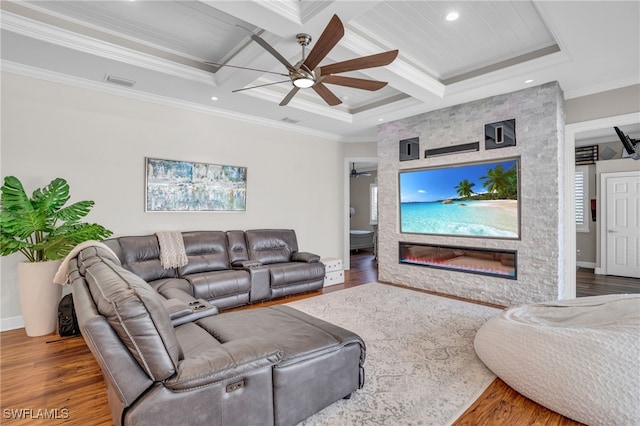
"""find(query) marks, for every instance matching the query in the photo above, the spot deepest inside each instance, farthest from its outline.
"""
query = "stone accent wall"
(539, 114)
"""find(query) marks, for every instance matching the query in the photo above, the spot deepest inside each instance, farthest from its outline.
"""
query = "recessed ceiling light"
(214, 98)
(528, 81)
(380, 119)
(452, 16)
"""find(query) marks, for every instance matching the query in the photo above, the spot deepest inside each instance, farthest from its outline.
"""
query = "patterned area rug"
(420, 368)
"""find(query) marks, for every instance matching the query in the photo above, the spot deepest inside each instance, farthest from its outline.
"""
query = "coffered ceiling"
(156, 50)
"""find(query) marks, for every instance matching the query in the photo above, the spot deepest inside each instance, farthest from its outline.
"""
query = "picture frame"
(188, 186)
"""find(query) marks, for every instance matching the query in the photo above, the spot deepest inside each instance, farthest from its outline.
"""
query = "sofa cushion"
(217, 284)
(166, 283)
(142, 257)
(295, 273)
(206, 251)
(271, 245)
(135, 311)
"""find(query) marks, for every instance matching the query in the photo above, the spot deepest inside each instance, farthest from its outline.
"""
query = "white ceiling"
(588, 46)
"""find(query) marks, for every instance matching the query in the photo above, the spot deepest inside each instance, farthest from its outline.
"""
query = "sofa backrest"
(271, 245)
(237, 246)
(206, 251)
(141, 255)
(134, 310)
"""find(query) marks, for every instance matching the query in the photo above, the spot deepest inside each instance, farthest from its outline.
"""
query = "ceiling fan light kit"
(306, 73)
(302, 79)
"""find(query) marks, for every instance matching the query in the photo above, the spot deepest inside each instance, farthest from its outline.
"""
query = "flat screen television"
(468, 200)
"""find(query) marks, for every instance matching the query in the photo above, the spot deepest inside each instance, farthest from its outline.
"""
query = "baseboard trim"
(590, 265)
(598, 271)
(11, 323)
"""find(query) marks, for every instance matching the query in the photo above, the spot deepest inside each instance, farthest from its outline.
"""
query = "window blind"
(581, 194)
(373, 206)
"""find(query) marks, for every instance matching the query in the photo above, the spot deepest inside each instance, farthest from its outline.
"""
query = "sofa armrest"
(245, 264)
(181, 311)
(230, 360)
(303, 256)
(176, 308)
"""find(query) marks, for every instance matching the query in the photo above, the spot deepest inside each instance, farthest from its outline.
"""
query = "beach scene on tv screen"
(475, 200)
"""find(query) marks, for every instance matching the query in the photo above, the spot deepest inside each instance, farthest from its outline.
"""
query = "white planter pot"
(39, 296)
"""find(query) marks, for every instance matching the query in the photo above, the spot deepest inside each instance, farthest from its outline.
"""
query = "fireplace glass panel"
(494, 262)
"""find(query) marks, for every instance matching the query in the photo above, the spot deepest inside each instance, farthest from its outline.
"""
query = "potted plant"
(44, 231)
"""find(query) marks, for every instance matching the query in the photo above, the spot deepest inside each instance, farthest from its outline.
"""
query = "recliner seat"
(267, 366)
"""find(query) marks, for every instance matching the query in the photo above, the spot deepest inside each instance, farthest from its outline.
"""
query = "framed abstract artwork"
(184, 186)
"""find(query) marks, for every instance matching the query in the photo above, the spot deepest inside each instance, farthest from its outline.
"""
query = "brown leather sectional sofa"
(174, 360)
(227, 269)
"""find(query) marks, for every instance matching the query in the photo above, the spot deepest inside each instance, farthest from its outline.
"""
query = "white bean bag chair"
(579, 357)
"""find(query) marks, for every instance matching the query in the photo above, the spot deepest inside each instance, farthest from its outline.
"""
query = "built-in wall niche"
(494, 262)
(409, 149)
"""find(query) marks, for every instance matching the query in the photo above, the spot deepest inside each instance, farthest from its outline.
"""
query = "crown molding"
(41, 74)
(61, 37)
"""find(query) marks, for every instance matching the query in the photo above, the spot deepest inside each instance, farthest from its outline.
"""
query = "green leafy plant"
(41, 227)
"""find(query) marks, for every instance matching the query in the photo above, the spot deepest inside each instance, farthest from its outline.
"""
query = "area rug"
(421, 368)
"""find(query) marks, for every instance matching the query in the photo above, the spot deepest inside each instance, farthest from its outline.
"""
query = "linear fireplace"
(494, 262)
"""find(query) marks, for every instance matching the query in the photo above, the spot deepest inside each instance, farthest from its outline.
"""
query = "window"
(582, 198)
(373, 204)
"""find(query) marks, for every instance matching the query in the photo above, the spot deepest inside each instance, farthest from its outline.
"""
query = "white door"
(622, 227)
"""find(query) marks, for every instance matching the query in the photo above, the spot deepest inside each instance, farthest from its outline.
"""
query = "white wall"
(98, 142)
(624, 100)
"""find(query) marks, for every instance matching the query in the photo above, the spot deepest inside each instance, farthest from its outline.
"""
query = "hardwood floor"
(589, 284)
(53, 380)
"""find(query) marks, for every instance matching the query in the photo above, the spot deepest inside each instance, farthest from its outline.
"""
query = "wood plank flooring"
(53, 380)
(589, 284)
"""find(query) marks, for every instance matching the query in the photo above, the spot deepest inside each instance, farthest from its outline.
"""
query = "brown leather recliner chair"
(239, 368)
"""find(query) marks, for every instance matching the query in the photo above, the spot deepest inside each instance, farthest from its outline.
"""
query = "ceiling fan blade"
(273, 51)
(245, 68)
(371, 61)
(260, 85)
(262, 42)
(326, 94)
(331, 35)
(357, 83)
(289, 96)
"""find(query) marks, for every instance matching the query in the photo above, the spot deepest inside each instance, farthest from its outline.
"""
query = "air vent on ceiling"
(290, 120)
(119, 80)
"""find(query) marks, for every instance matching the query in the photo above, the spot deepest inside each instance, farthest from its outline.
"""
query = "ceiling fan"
(306, 73)
(355, 174)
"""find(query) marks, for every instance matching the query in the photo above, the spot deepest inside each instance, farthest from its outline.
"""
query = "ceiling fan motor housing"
(303, 39)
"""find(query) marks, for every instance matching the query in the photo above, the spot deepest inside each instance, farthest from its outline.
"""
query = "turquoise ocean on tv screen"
(468, 218)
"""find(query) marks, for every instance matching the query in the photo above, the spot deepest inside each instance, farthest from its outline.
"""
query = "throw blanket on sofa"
(62, 276)
(172, 252)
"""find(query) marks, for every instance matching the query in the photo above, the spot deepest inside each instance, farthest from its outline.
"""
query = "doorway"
(567, 288)
(363, 164)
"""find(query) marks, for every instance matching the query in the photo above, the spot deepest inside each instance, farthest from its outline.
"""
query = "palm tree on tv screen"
(500, 183)
(464, 188)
